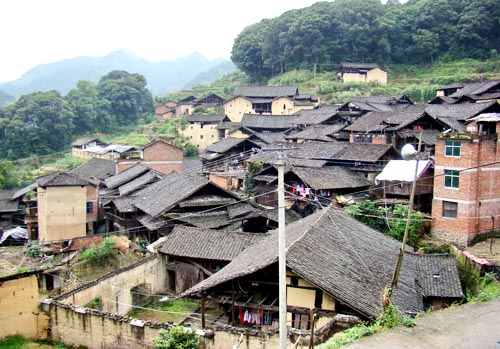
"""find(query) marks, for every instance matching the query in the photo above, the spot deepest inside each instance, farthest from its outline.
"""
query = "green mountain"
(162, 77)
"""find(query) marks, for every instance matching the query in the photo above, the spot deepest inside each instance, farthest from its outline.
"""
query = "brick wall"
(159, 156)
(478, 195)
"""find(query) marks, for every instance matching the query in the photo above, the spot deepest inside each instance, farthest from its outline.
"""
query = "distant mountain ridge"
(162, 77)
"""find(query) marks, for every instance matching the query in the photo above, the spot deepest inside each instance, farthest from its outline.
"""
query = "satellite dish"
(408, 152)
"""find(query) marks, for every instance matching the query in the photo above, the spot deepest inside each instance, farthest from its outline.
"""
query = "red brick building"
(158, 155)
(466, 199)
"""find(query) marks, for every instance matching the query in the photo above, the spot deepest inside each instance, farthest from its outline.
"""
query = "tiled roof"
(124, 204)
(138, 183)
(268, 121)
(83, 141)
(266, 91)
(7, 203)
(168, 192)
(476, 88)
(209, 244)
(151, 223)
(225, 144)
(359, 65)
(125, 176)
(270, 157)
(338, 254)
(428, 136)
(192, 165)
(61, 179)
(334, 177)
(98, 168)
(207, 200)
(269, 137)
(205, 118)
(316, 116)
(205, 220)
(239, 209)
(457, 111)
(438, 275)
(394, 119)
(382, 99)
(317, 132)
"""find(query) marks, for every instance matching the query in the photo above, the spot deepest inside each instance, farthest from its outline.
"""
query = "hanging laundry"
(247, 317)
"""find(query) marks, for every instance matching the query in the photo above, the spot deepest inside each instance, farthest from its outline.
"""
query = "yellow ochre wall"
(19, 311)
(237, 107)
(62, 212)
(201, 137)
(376, 74)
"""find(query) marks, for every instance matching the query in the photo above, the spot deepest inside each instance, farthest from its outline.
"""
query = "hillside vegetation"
(328, 33)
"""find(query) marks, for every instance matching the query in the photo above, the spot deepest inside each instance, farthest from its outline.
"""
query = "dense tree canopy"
(45, 122)
(326, 33)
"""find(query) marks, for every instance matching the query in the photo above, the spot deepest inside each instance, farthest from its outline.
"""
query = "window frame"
(448, 210)
(451, 179)
(90, 207)
(452, 147)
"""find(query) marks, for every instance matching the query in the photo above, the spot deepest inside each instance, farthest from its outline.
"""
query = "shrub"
(33, 250)
(100, 254)
(177, 337)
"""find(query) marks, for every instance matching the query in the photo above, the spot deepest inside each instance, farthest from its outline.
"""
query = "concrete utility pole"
(281, 251)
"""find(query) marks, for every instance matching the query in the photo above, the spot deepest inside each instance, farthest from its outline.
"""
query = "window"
(452, 148)
(451, 178)
(90, 208)
(201, 136)
(450, 209)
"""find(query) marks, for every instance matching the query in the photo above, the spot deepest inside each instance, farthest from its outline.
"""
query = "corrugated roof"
(125, 176)
(266, 91)
(208, 244)
(402, 170)
(168, 192)
(338, 254)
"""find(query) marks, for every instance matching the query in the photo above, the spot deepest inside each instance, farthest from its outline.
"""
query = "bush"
(100, 254)
(177, 337)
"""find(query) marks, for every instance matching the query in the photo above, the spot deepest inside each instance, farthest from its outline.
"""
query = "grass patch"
(176, 310)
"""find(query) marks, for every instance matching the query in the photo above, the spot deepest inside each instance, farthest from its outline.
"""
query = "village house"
(88, 148)
(466, 191)
(362, 72)
(228, 154)
(193, 254)
(158, 155)
(349, 282)
(270, 100)
(203, 129)
(190, 105)
(67, 206)
(165, 111)
(395, 182)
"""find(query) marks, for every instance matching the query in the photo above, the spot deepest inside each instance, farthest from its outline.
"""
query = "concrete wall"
(62, 212)
(19, 309)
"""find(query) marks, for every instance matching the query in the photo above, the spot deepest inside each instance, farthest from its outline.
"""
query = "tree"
(127, 96)
(38, 123)
(249, 180)
(91, 113)
(8, 175)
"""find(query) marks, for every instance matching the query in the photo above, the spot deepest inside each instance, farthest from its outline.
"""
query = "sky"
(46, 31)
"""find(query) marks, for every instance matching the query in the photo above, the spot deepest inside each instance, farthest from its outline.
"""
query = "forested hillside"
(46, 122)
(326, 33)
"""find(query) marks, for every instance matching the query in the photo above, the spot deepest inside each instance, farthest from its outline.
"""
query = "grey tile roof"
(428, 136)
(24, 190)
(240, 209)
(98, 168)
(259, 121)
(83, 141)
(225, 144)
(266, 91)
(205, 118)
(138, 183)
(334, 177)
(125, 176)
(341, 151)
(62, 179)
(7, 194)
(476, 88)
(438, 275)
(459, 112)
(209, 244)
(7, 202)
(316, 116)
(151, 223)
(124, 204)
(207, 200)
(168, 192)
(270, 157)
(338, 254)
(347, 65)
(381, 99)
(269, 137)
(204, 219)
(393, 119)
(317, 132)
(192, 165)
